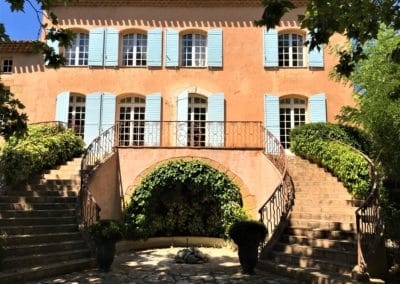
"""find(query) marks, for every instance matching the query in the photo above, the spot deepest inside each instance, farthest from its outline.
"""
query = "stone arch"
(249, 201)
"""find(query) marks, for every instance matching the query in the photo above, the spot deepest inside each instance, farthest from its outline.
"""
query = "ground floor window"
(197, 117)
(131, 121)
(292, 112)
(76, 114)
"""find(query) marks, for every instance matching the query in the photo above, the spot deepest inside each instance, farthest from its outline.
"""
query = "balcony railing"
(193, 134)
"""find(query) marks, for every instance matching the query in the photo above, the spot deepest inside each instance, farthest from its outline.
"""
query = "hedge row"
(349, 166)
(42, 148)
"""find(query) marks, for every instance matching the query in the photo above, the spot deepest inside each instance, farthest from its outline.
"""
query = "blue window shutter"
(111, 47)
(154, 47)
(172, 50)
(62, 106)
(215, 48)
(271, 114)
(317, 104)
(92, 117)
(271, 48)
(96, 47)
(315, 56)
(182, 117)
(152, 117)
(216, 119)
(108, 106)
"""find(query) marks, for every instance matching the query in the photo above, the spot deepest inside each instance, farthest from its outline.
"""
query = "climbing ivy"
(183, 198)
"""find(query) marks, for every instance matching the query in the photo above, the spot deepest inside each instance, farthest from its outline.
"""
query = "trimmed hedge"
(183, 198)
(42, 148)
(349, 166)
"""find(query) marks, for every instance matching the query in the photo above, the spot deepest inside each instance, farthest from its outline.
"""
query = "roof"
(173, 3)
(20, 46)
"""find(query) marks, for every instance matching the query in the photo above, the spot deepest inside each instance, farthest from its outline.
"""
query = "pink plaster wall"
(252, 168)
(243, 79)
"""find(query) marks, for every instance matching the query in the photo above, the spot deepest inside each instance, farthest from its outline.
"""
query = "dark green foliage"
(247, 232)
(106, 230)
(2, 252)
(389, 200)
(42, 148)
(314, 143)
(183, 198)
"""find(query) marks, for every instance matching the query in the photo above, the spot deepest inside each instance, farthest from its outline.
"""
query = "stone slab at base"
(166, 242)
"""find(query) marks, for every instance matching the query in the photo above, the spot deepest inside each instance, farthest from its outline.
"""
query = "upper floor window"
(131, 121)
(6, 65)
(134, 50)
(197, 117)
(194, 50)
(291, 50)
(77, 54)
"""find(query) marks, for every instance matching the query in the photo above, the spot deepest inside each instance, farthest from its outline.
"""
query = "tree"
(358, 20)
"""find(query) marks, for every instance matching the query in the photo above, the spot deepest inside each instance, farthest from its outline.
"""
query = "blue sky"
(19, 26)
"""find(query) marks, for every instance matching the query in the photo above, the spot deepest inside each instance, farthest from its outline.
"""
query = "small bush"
(106, 230)
(43, 148)
(247, 232)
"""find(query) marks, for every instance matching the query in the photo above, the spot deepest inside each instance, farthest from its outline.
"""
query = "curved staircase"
(319, 244)
(40, 227)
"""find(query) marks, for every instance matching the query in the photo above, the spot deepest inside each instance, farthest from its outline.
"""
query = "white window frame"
(291, 103)
(135, 49)
(301, 50)
(136, 105)
(197, 102)
(73, 109)
(78, 51)
(193, 48)
(8, 65)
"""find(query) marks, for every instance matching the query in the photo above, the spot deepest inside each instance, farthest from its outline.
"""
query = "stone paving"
(158, 266)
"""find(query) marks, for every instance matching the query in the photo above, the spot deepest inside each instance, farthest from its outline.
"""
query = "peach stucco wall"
(249, 169)
(243, 79)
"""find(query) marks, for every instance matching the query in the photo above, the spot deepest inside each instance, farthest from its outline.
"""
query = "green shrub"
(43, 148)
(2, 253)
(106, 230)
(326, 131)
(245, 232)
(184, 198)
(349, 166)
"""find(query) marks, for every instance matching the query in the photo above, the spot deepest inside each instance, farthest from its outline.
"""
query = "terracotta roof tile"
(16, 47)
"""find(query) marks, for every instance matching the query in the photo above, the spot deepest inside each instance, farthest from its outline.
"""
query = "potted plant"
(105, 234)
(247, 235)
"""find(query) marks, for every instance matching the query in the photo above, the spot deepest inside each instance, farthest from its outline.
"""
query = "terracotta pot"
(105, 254)
(248, 257)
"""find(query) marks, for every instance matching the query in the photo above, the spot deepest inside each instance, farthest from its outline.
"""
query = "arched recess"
(249, 202)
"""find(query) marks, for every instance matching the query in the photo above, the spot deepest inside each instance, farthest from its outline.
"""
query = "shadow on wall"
(29, 68)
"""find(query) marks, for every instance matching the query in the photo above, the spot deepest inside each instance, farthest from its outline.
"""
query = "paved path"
(158, 266)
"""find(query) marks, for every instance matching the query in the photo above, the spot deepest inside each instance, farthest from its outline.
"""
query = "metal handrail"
(275, 212)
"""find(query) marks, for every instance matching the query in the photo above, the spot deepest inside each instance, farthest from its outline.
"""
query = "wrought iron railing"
(275, 211)
(95, 154)
(195, 134)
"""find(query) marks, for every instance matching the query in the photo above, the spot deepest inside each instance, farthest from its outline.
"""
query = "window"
(131, 121)
(194, 50)
(77, 54)
(76, 114)
(134, 50)
(290, 47)
(197, 116)
(292, 112)
(6, 65)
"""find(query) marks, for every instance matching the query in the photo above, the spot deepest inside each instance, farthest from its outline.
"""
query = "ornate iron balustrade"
(275, 211)
(194, 134)
(95, 154)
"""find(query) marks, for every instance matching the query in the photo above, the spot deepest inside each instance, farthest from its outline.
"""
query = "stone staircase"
(319, 244)
(39, 223)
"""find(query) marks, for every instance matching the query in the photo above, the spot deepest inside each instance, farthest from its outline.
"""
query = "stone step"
(308, 275)
(43, 248)
(344, 257)
(62, 176)
(37, 199)
(37, 213)
(340, 245)
(317, 196)
(37, 206)
(331, 208)
(15, 240)
(317, 233)
(310, 202)
(42, 190)
(311, 262)
(10, 222)
(336, 217)
(43, 259)
(39, 229)
(58, 182)
(22, 275)
(323, 224)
